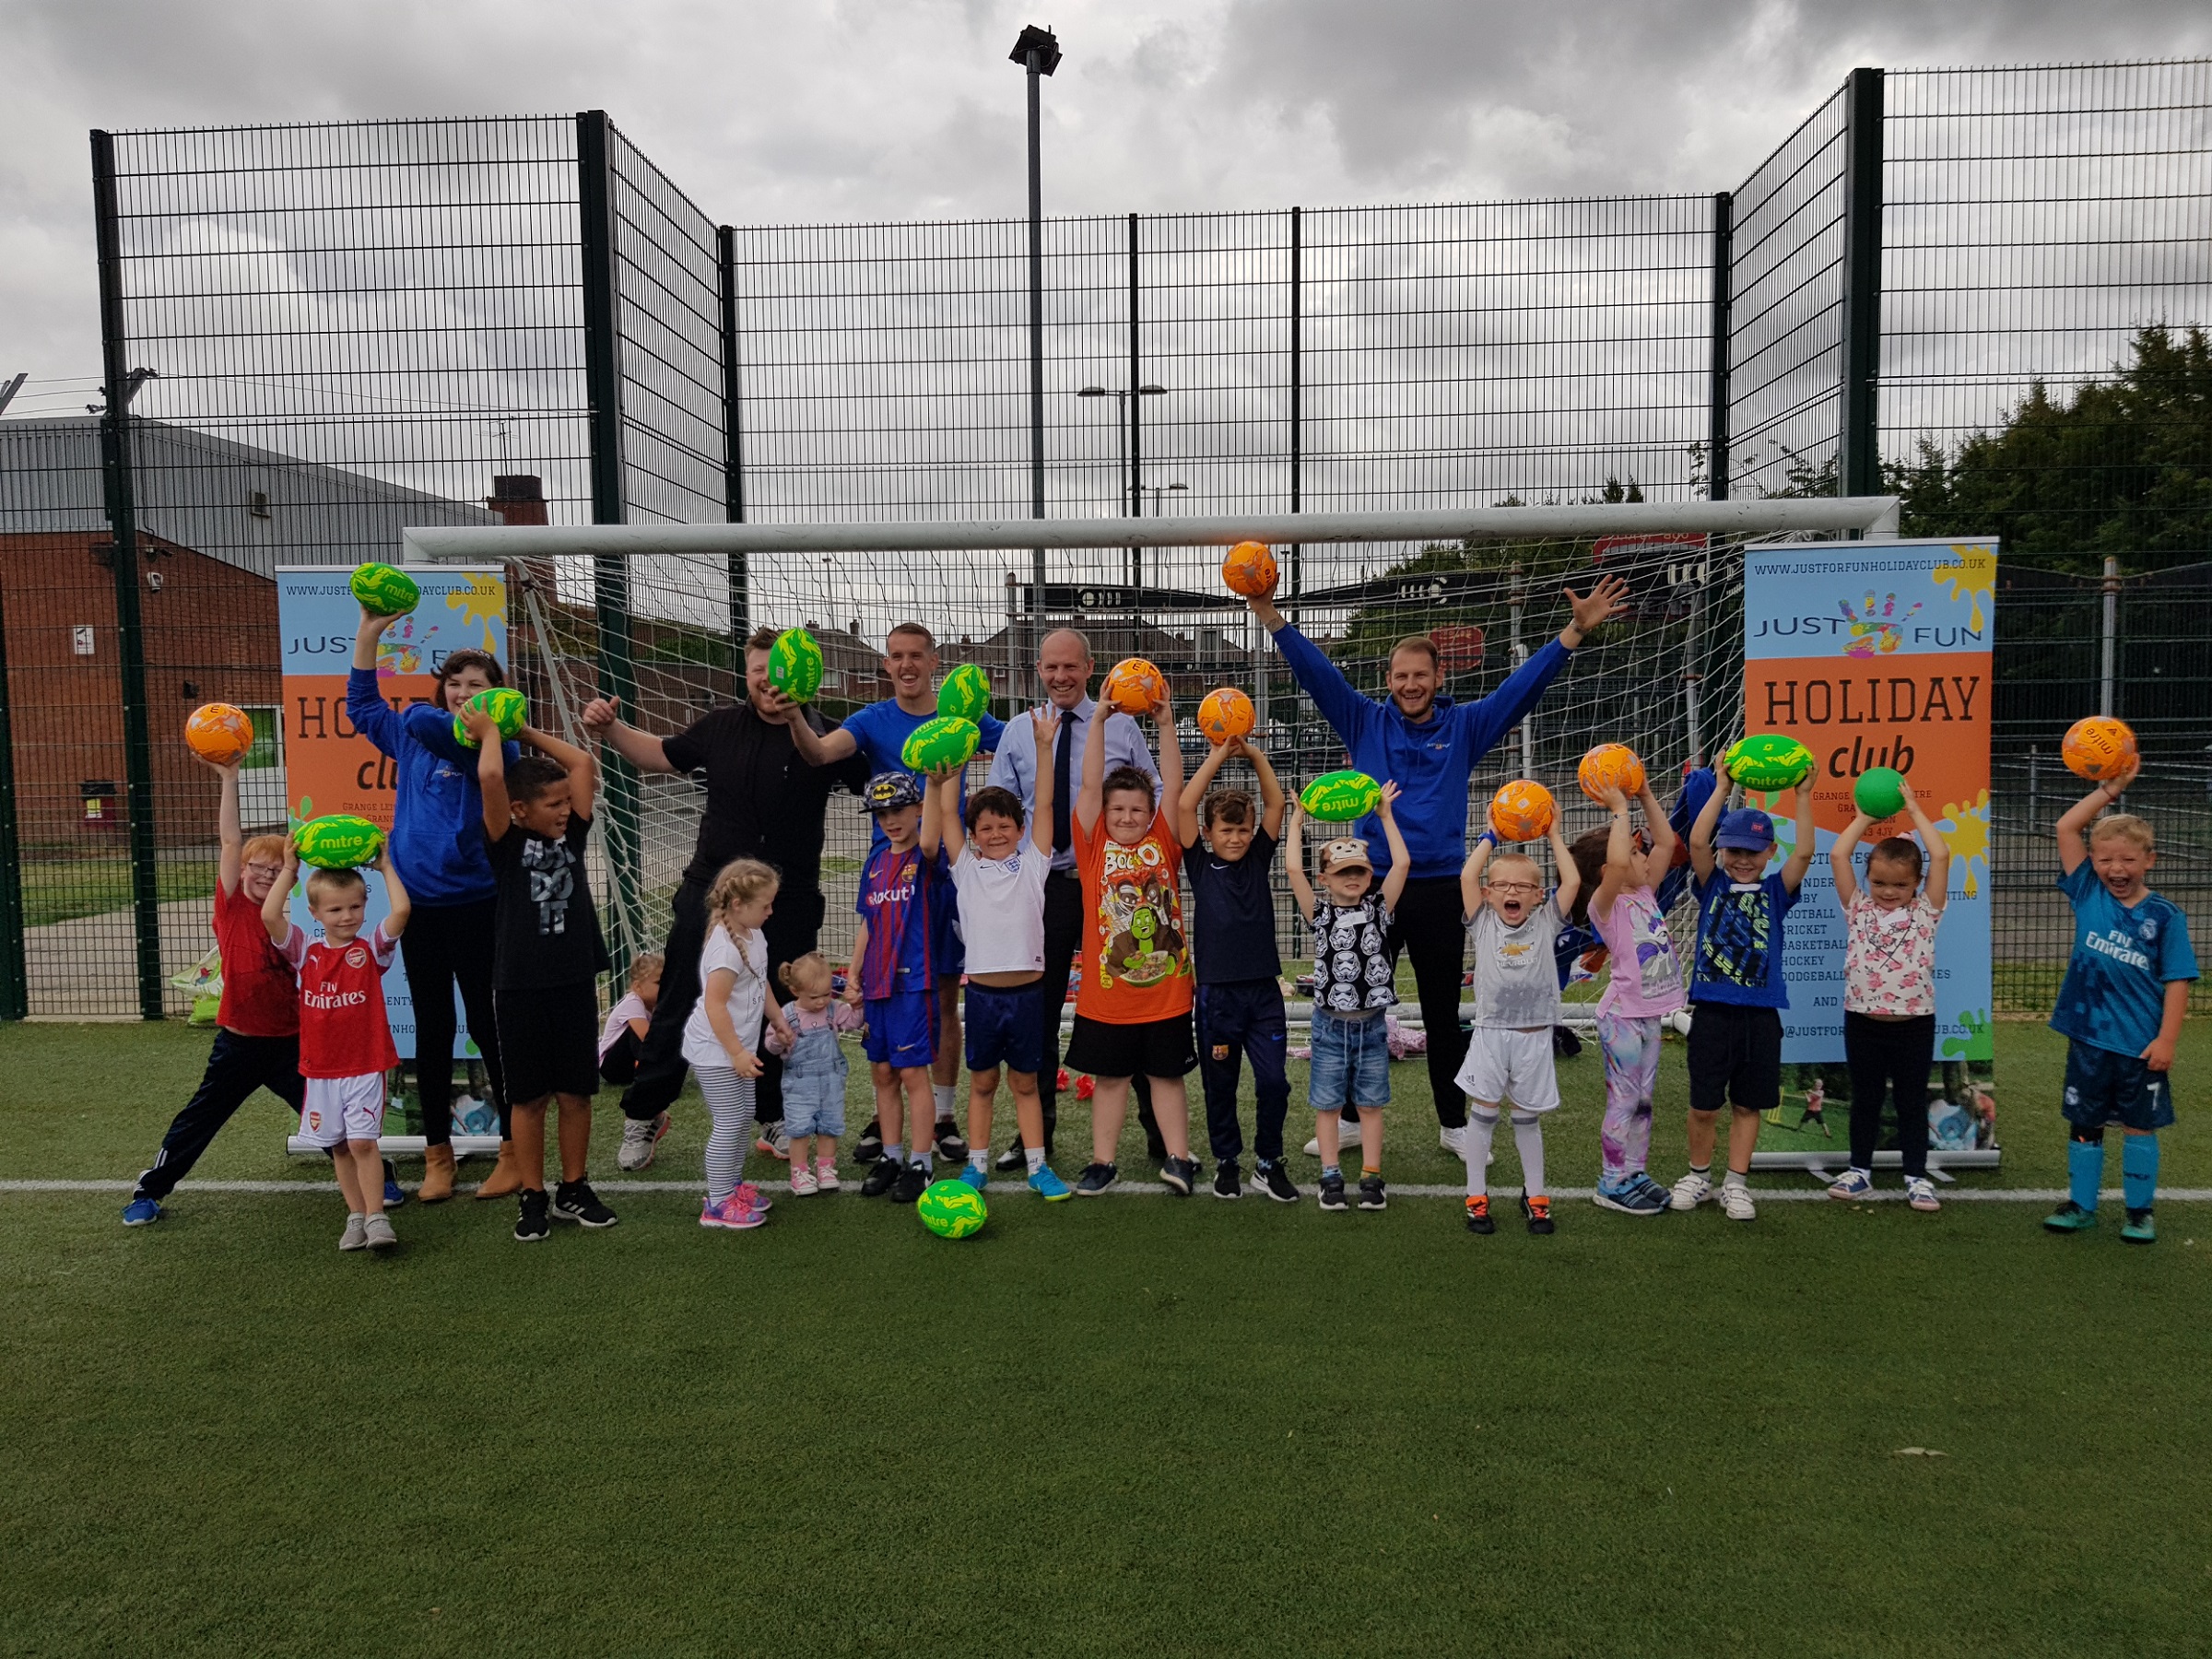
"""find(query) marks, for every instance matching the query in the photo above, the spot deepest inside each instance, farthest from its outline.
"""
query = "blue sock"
(2138, 1170)
(1329, 1170)
(2085, 1172)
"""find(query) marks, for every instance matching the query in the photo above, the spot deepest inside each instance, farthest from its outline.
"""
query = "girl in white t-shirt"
(722, 1036)
(628, 1021)
(1889, 993)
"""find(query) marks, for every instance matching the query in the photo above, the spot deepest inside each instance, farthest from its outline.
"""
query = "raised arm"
(1839, 859)
(1470, 873)
(1090, 798)
(1621, 845)
(1044, 731)
(275, 909)
(1340, 704)
(820, 748)
(398, 906)
(1801, 854)
(939, 828)
(365, 706)
(1294, 861)
(1938, 887)
(1194, 792)
(602, 720)
(1600, 604)
(229, 828)
(1271, 786)
(1662, 830)
(1170, 751)
(2073, 823)
(1709, 820)
(1571, 872)
(491, 771)
(584, 772)
(1401, 860)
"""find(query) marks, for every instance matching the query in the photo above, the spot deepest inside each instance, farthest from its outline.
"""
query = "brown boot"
(437, 1174)
(506, 1177)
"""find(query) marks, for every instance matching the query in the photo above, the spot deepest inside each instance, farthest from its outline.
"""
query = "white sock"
(894, 1152)
(979, 1159)
(1528, 1137)
(1736, 1178)
(921, 1160)
(944, 1091)
(1035, 1154)
(1482, 1123)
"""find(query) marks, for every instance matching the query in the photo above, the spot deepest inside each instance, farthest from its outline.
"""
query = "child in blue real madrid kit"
(891, 979)
(2120, 1008)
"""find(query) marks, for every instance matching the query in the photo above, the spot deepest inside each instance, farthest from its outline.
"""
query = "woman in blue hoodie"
(1430, 745)
(438, 848)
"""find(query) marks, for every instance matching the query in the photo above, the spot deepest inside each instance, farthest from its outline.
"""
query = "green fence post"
(610, 571)
(123, 523)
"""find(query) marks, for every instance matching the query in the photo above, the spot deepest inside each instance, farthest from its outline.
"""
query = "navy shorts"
(2104, 1088)
(902, 1029)
(1005, 1027)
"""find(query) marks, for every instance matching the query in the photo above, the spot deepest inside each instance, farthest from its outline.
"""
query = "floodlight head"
(1041, 42)
(1152, 390)
(1178, 486)
(1092, 392)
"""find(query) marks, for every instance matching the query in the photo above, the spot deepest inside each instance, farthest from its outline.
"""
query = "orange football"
(2099, 747)
(1224, 714)
(1134, 686)
(1610, 766)
(1522, 811)
(1249, 569)
(219, 733)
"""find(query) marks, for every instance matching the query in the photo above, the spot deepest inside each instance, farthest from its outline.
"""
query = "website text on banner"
(329, 767)
(1877, 653)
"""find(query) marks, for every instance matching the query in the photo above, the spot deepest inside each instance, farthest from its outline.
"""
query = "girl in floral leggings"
(1619, 879)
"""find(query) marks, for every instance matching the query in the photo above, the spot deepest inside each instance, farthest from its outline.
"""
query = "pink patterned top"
(1890, 957)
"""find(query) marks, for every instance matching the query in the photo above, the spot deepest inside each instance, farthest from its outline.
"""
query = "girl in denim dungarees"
(813, 1071)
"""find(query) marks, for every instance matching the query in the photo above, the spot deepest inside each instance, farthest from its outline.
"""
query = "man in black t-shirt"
(1240, 995)
(763, 801)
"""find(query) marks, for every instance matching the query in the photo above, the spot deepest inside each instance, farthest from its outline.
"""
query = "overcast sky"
(812, 110)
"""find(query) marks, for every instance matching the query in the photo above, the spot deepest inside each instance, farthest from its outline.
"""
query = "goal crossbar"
(1873, 515)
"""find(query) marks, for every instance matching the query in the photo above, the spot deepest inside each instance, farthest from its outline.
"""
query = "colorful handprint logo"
(1876, 628)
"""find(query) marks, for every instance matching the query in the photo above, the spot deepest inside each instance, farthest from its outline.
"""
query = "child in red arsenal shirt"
(345, 1039)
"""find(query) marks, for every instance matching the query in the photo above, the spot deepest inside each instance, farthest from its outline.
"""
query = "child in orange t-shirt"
(1133, 1002)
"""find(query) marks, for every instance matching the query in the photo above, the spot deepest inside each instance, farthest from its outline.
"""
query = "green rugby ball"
(936, 744)
(952, 1209)
(1767, 761)
(340, 841)
(1879, 793)
(966, 693)
(795, 665)
(509, 708)
(384, 589)
(1338, 797)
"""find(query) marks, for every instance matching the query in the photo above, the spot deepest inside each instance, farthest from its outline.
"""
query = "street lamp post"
(1132, 496)
(1158, 489)
(1037, 53)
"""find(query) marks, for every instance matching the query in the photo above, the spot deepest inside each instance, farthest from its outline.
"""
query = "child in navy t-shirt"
(1240, 993)
(2120, 1008)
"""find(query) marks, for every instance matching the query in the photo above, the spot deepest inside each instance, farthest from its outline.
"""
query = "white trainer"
(1347, 1135)
(377, 1232)
(641, 1138)
(1736, 1203)
(356, 1236)
(1691, 1190)
(1454, 1139)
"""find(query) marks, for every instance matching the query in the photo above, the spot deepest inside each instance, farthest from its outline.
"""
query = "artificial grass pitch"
(1094, 1427)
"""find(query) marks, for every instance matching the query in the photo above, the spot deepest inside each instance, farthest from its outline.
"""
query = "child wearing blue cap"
(1736, 991)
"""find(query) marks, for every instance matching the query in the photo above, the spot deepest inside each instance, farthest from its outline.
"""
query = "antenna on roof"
(8, 393)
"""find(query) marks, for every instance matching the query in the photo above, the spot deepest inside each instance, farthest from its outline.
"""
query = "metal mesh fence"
(351, 327)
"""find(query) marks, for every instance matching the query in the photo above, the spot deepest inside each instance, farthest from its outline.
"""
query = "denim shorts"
(1351, 1062)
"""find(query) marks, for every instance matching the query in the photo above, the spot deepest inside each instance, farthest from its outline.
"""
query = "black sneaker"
(1479, 1219)
(911, 1181)
(1372, 1195)
(870, 1146)
(881, 1179)
(1097, 1179)
(1332, 1192)
(531, 1225)
(1538, 1211)
(575, 1200)
(950, 1147)
(1228, 1180)
(1275, 1181)
(1181, 1174)
(1013, 1158)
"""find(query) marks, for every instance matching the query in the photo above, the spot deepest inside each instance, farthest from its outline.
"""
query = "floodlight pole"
(1039, 54)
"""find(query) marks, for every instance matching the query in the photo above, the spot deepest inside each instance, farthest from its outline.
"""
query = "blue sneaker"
(1635, 1195)
(978, 1179)
(1852, 1184)
(393, 1194)
(141, 1212)
(1049, 1186)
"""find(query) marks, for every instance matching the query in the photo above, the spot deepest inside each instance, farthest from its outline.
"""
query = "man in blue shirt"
(879, 733)
(2121, 1007)
(1064, 669)
(1430, 745)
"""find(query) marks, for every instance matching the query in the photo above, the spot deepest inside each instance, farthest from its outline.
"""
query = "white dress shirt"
(1014, 768)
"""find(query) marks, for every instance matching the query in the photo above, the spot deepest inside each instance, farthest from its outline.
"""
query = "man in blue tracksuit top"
(1429, 747)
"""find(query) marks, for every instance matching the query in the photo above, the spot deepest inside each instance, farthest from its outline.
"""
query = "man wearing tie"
(1064, 666)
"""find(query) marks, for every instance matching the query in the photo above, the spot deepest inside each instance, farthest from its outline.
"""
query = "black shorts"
(619, 1063)
(1735, 1057)
(1158, 1048)
(553, 1033)
(2103, 1087)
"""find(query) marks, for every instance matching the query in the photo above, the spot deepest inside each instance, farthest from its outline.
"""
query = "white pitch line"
(1152, 1189)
